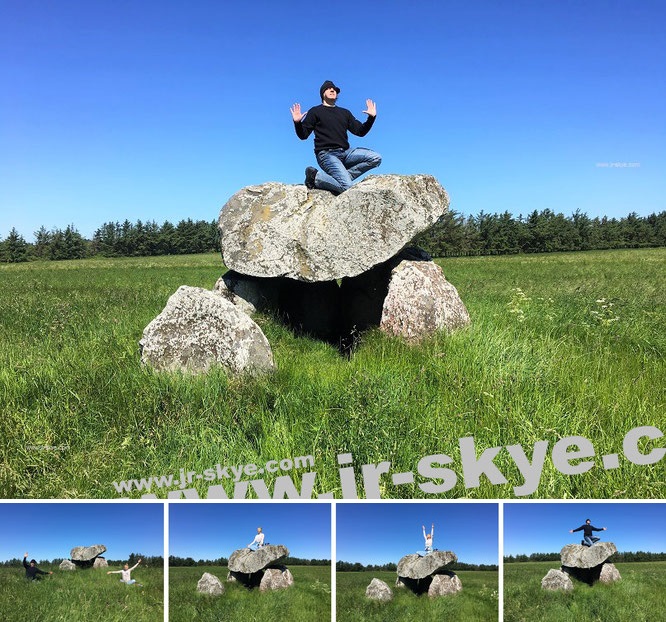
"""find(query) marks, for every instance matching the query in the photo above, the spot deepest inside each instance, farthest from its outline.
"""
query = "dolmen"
(588, 564)
(85, 557)
(263, 568)
(422, 574)
(327, 266)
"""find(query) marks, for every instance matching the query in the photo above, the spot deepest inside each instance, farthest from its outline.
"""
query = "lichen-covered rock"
(578, 556)
(609, 573)
(210, 584)
(415, 566)
(86, 553)
(100, 562)
(557, 580)
(276, 579)
(420, 301)
(66, 564)
(444, 585)
(248, 562)
(199, 329)
(378, 590)
(311, 235)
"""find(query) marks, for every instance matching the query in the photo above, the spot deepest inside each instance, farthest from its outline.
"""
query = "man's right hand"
(296, 114)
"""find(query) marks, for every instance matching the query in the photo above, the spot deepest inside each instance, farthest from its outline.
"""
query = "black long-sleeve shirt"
(330, 125)
(31, 572)
(587, 529)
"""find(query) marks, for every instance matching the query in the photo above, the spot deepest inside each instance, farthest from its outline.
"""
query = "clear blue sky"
(212, 530)
(378, 533)
(52, 530)
(159, 110)
(544, 527)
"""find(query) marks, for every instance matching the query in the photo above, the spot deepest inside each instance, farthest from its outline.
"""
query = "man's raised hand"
(296, 114)
(370, 108)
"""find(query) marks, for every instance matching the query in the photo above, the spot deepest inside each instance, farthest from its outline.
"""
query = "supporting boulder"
(556, 580)
(199, 329)
(210, 584)
(379, 590)
(444, 585)
(276, 579)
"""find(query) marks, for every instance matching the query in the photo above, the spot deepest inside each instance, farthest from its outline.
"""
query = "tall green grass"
(81, 596)
(637, 597)
(545, 357)
(308, 599)
(477, 602)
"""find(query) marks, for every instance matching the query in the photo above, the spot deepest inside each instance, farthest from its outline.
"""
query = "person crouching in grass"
(31, 570)
(125, 574)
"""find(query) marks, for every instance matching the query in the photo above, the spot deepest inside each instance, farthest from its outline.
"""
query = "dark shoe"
(310, 174)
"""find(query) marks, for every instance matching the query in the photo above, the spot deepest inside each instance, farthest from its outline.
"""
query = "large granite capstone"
(416, 567)
(248, 562)
(276, 229)
(579, 556)
(86, 553)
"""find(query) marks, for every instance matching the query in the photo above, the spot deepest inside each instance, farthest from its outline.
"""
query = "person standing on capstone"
(587, 528)
(31, 570)
(258, 541)
(125, 572)
(428, 537)
(330, 123)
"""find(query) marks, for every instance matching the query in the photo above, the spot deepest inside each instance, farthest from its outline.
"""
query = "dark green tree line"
(453, 234)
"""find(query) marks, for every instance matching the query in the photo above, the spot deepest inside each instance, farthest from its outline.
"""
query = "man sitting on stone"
(330, 123)
(31, 571)
(428, 539)
(588, 538)
(258, 541)
(125, 572)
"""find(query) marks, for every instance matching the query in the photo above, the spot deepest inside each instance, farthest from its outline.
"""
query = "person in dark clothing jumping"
(31, 570)
(340, 164)
(588, 538)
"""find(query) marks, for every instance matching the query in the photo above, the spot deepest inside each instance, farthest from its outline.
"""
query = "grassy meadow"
(477, 602)
(81, 596)
(309, 598)
(638, 597)
(560, 345)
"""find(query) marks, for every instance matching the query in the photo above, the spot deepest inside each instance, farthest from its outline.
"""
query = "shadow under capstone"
(337, 314)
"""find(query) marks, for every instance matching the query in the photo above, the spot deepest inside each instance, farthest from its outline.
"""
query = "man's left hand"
(370, 108)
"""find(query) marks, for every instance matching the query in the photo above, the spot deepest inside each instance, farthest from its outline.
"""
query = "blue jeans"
(339, 168)
(590, 540)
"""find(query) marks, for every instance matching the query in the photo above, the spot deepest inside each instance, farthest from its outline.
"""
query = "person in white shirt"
(258, 541)
(428, 538)
(125, 574)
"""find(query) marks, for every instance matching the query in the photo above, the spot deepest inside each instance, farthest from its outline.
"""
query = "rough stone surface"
(379, 590)
(557, 580)
(199, 329)
(249, 562)
(416, 567)
(86, 553)
(66, 564)
(444, 585)
(100, 562)
(609, 573)
(311, 235)
(210, 584)
(420, 301)
(578, 556)
(276, 579)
